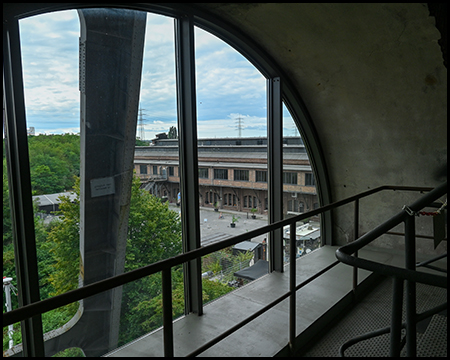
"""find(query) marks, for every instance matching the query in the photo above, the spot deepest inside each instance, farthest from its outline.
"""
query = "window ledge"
(268, 334)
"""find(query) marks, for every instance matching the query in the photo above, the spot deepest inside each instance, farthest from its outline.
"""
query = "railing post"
(292, 283)
(167, 312)
(396, 316)
(356, 231)
(410, 264)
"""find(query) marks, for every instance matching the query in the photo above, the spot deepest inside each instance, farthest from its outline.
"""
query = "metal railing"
(165, 266)
(399, 275)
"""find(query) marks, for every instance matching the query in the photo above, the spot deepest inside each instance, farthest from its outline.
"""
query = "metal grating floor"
(373, 313)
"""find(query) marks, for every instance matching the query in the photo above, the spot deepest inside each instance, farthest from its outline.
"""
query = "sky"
(230, 90)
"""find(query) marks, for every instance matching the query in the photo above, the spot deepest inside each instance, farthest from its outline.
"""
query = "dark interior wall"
(374, 82)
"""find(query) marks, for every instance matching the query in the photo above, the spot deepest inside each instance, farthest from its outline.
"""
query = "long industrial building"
(232, 173)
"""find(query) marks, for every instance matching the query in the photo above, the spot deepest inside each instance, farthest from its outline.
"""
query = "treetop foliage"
(54, 161)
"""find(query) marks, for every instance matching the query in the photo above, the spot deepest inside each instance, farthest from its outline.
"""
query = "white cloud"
(227, 83)
(50, 71)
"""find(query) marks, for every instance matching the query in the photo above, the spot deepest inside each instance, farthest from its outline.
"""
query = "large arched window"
(135, 74)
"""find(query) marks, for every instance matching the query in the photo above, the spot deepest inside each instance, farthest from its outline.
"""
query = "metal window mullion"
(309, 136)
(22, 217)
(275, 170)
(188, 154)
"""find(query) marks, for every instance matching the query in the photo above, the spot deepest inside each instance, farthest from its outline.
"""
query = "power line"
(141, 122)
(239, 125)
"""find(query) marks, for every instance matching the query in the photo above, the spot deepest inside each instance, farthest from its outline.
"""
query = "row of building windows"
(290, 178)
(143, 170)
(232, 200)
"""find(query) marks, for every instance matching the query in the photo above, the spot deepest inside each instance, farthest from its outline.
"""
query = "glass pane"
(50, 72)
(232, 132)
(77, 168)
(299, 191)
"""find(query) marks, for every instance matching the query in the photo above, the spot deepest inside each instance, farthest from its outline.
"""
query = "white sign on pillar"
(102, 186)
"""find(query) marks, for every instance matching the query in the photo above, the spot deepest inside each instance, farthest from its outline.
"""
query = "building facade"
(232, 173)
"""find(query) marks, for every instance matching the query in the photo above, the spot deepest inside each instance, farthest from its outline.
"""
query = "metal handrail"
(399, 275)
(387, 330)
(344, 253)
(165, 266)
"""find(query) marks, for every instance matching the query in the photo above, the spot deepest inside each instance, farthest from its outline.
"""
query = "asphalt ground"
(211, 225)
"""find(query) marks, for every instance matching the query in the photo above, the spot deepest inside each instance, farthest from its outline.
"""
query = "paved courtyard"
(211, 225)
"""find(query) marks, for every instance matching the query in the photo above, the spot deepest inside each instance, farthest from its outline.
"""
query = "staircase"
(374, 312)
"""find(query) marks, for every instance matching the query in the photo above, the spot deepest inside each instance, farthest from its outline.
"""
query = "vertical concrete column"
(111, 53)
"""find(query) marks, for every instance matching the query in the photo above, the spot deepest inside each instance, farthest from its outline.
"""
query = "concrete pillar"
(111, 54)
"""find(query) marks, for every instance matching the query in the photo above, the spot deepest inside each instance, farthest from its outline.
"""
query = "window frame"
(262, 174)
(17, 148)
(290, 178)
(224, 173)
(309, 179)
(241, 175)
(143, 169)
(202, 171)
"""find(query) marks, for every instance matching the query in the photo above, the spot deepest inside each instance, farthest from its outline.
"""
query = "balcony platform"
(317, 303)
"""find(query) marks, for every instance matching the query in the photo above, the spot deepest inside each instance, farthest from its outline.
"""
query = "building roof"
(52, 199)
(260, 268)
(246, 246)
(221, 164)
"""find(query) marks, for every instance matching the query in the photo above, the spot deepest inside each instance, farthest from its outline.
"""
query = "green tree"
(172, 133)
(140, 142)
(44, 180)
(64, 243)
(154, 233)
(7, 231)
(52, 319)
(8, 246)
(59, 272)
(54, 161)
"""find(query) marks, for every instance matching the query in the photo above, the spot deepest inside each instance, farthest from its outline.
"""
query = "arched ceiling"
(372, 77)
